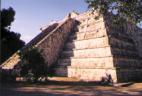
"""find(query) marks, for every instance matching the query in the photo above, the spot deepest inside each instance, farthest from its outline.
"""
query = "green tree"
(130, 10)
(33, 63)
(10, 41)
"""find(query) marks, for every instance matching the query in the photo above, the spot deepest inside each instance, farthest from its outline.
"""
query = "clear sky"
(31, 15)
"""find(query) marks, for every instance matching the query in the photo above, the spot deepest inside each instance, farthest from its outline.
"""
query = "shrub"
(32, 62)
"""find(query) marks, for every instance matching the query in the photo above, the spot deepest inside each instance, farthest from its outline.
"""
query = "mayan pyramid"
(88, 48)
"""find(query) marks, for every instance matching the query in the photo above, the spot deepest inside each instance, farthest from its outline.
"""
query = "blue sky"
(31, 15)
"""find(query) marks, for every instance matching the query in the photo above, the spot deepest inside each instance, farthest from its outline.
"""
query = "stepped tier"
(88, 43)
(96, 74)
(86, 53)
(11, 62)
(88, 35)
(104, 62)
(99, 52)
(93, 51)
(99, 42)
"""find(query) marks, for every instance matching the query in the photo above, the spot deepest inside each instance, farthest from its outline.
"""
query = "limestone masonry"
(88, 49)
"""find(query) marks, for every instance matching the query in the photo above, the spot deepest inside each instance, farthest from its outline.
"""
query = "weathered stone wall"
(126, 44)
(136, 34)
(100, 47)
(91, 74)
(124, 30)
(50, 41)
(127, 75)
(52, 44)
(11, 62)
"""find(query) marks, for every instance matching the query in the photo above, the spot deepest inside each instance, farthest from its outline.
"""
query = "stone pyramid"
(84, 47)
(96, 49)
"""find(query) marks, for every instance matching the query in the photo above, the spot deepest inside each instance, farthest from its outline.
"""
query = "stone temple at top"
(86, 48)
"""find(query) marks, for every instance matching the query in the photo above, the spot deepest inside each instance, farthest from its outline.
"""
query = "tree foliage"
(33, 62)
(130, 10)
(10, 41)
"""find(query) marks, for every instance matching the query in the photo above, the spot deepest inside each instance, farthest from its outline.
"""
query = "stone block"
(94, 26)
(88, 43)
(130, 74)
(88, 53)
(11, 62)
(60, 71)
(92, 34)
(94, 74)
(104, 62)
(124, 53)
(127, 63)
(90, 21)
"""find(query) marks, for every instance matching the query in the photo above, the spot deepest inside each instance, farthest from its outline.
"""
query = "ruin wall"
(52, 44)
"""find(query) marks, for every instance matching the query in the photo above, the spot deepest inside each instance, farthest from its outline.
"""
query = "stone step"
(99, 52)
(88, 35)
(88, 62)
(60, 71)
(94, 34)
(92, 74)
(88, 43)
(131, 74)
(11, 62)
(64, 60)
(98, 42)
(91, 21)
(85, 53)
(122, 37)
(114, 42)
(89, 17)
(63, 64)
(120, 42)
(100, 62)
(117, 75)
(127, 63)
(123, 52)
(93, 26)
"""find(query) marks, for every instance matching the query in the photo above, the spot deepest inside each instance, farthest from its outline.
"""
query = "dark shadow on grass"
(62, 83)
(44, 89)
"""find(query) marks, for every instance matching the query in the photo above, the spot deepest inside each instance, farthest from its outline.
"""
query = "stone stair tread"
(115, 58)
(72, 47)
(81, 67)
(86, 39)
(113, 50)
(62, 64)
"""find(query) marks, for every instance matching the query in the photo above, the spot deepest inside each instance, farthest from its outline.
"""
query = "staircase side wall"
(15, 58)
(52, 45)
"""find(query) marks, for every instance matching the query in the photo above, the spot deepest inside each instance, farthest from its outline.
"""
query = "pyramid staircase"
(35, 42)
(92, 52)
